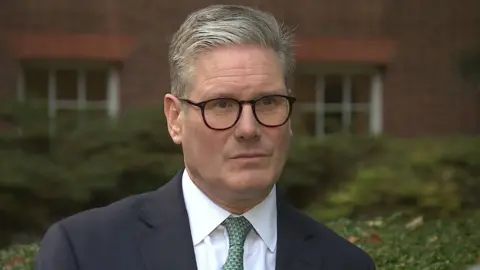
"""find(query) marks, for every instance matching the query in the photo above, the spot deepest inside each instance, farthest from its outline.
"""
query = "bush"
(430, 176)
(434, 244)
(44, 179)
(21, 257)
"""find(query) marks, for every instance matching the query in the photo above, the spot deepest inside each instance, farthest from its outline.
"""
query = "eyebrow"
(229, 94)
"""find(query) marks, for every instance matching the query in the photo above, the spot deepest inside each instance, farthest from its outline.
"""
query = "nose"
(247, 126)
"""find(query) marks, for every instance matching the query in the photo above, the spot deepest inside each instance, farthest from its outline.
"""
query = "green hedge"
(438, 177)
(19, 257)
(44, 179)
(434, 244)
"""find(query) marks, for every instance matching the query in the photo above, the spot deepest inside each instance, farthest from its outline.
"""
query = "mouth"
(250, 156)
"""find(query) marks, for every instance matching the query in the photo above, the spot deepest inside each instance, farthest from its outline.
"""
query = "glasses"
(224, 113)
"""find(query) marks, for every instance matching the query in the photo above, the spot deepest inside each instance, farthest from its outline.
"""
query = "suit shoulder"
(119, 211)
(337, 244)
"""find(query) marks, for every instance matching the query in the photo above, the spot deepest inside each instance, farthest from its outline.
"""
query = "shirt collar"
(263, 216)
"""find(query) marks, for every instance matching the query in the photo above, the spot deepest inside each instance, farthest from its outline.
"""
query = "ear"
(173, 114)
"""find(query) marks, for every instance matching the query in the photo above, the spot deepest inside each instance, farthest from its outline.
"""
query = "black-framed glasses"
(224, 113)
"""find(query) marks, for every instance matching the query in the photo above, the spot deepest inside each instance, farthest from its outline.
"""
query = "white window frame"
(111, 104)
(374, 107)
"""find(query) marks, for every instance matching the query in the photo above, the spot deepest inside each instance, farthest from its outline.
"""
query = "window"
(340, 103)
(66, 97)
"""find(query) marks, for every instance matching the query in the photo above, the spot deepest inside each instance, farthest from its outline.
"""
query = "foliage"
(395, 243)
(392, 242)
(432, 176)
(317, 166)
(21, 257)
(45, 178)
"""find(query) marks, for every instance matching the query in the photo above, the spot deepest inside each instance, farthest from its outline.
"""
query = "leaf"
(415, 223)
(374, 238)
(375, 223)
(353, 239)
(432, 239)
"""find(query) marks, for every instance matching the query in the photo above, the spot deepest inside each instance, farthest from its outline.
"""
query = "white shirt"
(210, 238)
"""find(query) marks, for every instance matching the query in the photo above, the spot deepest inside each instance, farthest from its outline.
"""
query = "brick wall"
(424, 93)
(424, 74)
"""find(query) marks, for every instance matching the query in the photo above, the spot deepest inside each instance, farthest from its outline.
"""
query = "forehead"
(242, 69)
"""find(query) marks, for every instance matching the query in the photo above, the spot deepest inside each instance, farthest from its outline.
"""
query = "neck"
(237, 207)
(233, 202)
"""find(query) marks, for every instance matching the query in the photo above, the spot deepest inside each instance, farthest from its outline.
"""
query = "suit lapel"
(165, 240)
(295, 248)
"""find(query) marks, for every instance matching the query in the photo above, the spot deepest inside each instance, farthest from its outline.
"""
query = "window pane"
(36, 84)
(333, 122)
(96, 85)
(360, 123)
(361, 88)
(333, 89)
(33, 116)
(67, 84)
(304, 88)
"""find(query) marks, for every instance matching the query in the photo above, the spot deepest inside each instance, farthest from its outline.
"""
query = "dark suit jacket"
(151, 231)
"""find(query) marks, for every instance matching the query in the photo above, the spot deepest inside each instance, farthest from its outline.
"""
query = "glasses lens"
(221, 113)
(272, 110)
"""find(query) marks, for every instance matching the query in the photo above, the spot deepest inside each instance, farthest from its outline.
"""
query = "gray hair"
(220, 25)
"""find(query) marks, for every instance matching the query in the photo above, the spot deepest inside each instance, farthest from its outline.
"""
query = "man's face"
(214, 157)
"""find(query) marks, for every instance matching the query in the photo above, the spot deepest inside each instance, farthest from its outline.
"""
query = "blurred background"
(387, 119)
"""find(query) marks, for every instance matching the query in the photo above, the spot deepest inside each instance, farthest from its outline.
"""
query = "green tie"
(238, 229)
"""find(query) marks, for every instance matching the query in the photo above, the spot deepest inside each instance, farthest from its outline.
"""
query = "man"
(229, 109)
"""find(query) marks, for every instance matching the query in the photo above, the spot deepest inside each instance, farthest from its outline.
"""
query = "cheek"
(206, 145)
(281, 145)
(279, 139)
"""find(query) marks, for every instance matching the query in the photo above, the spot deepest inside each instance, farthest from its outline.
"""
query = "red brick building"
(375, 66)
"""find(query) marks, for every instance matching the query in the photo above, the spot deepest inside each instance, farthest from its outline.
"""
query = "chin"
(251, 179)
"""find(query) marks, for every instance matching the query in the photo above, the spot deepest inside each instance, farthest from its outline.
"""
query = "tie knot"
(238, 229)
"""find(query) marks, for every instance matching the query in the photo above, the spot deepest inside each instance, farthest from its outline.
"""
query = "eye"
(221, 104)
(269, 100)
